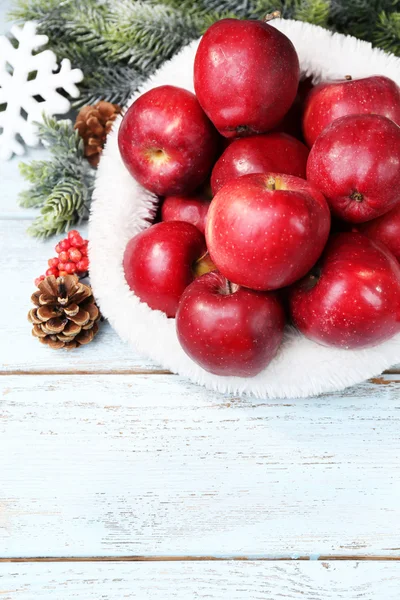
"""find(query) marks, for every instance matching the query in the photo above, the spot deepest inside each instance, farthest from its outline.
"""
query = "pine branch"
(387, 34)
(34, 197)
(47, 12)
(359, 17)
(65, 206)
(312, 11)
(43, 176)
(114, 84)
(264, 7)
(61, 186)
(240, 8)
(144, 34)
(60, 137)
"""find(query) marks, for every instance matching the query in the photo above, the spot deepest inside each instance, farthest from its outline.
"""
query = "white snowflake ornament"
(29, 85)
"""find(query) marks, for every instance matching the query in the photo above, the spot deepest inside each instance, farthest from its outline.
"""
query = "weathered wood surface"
(232, 580)
(151, 465)
(112, 465)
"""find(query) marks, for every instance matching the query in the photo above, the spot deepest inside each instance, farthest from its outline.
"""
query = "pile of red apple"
(256, 227)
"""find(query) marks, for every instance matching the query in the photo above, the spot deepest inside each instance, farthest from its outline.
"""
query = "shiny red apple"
(331, 100)
(192, 209)
(355, 163)
(265, 231)
(352, 300)
(385, 229)
(246, 75)
(276, 152)
(166, 141)
(229, 330)
(160, 262)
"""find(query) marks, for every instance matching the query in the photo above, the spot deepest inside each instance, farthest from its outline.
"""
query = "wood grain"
(230, 580)
(147, 470)
(153, 466)
(192, 558)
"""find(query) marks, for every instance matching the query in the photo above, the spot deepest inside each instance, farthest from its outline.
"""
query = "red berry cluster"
(72, 257)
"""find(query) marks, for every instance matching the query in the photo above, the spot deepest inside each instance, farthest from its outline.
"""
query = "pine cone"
(65, 313)
(93, 124)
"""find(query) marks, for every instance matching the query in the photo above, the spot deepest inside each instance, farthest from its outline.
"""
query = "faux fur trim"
(121, 209)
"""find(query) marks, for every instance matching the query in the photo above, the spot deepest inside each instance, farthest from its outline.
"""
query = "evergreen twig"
(387, 33)
(61, 186)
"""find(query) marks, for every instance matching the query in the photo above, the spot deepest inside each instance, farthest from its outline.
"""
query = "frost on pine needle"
(30, 84)
(61, 186)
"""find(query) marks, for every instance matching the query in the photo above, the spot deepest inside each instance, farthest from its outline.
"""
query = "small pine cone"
(65, 313)
(93, 124)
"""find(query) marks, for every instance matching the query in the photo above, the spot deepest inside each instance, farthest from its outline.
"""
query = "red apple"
(355, 163)
(265, 231)
(166, 141)
(331, 100)
(229, 330)
(192, 209)
(276, 152)
(159, 263)
(246, 75)
(385, 229)
(352, 300)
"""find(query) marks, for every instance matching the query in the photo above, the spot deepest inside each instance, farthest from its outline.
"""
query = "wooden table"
(119, 480)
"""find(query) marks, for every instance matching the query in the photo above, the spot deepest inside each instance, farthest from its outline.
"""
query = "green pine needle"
(265, 7)
(114, 84)
(65, 206)
(387, 33)
(312, 11)
(61, 186)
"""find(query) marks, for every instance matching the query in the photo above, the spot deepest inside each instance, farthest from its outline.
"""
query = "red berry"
(74, 255)
(39, 279)
(72, 233)
(58, 248)
(53, 262)
(52, 271)
(63, 256)
(61, 266)
(76, 241)
(83, 250)
(63, 273)
(65, 244)
(70, 267)
(83, 265)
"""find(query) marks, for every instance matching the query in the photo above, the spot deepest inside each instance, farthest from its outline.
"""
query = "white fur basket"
(122, 208)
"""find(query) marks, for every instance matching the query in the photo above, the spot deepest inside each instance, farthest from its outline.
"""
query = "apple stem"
(313, 278)
(357, 196)
(348, 77)
(271, 184)
(229, 288)
(274, 15)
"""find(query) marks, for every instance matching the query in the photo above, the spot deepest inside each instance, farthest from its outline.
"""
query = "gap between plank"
(375, 380)
(106, 559)
(86, 372)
